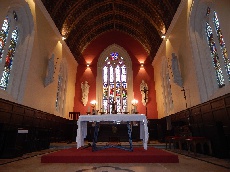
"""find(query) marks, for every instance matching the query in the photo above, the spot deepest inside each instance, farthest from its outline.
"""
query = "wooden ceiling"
(82, 21)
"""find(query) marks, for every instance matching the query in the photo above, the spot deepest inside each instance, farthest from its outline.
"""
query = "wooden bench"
(194, 141)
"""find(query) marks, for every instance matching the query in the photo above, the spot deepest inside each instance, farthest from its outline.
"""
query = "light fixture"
(93, 104)
(142, 65)
(163, 36)
(134, 103)
(63, 38)
(87, 65)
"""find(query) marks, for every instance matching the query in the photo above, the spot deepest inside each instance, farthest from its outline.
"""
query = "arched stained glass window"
(166, 86)
(9, 60)
(222, 44)
(114, 84)
(213, 49)
(3, 36)
(61, 89)
(214, 54)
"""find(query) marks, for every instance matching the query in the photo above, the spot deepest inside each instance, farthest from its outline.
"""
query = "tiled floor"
(32, 163)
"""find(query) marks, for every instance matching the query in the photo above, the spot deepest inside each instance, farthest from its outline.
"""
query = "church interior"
(166, 60)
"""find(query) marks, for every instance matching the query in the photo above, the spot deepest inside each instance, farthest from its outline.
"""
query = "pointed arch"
(99, 80)
(61, 88)
(25, 28)
(205, 70)
(166, 87)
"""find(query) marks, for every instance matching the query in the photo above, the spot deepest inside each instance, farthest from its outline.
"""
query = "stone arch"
(128, 63)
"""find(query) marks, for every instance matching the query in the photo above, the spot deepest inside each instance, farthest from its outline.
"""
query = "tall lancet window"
(3, 36)
(214, 48)
(214, 55)
(222, 44)
(8, 44)
(61, 89)
(114, 84)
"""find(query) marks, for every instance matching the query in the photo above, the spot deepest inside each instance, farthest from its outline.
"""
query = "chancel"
(114, 63)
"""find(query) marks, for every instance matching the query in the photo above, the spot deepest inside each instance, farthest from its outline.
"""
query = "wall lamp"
(87, 65)
(142, 65)
(163, 36)
(63, 38)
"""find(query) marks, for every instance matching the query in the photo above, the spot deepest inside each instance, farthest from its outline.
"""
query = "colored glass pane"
(214, 55)
(222, 44)
(9, 60)
(114, 83)
(3, 36)
(60, 79)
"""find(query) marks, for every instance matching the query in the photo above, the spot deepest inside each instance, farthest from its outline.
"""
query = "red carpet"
(111, 155)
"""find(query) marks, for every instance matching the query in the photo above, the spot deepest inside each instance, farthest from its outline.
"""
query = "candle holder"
(134, 103)
(93, 104)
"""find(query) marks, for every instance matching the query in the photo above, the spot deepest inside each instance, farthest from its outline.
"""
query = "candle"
(88, 109)
(135, 109)
(125, 109)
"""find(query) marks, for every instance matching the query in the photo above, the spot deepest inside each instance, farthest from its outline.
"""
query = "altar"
(83, 119)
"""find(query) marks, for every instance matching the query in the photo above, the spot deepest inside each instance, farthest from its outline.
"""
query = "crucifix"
(144, 92)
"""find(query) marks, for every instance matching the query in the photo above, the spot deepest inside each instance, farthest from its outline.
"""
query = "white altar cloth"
(83, 119)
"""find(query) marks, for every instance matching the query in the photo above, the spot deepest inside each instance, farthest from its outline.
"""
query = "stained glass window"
(3, 36)
(114, 84)
(57, 102)
(222, 44)
(214, 54)
(60, 96)
(9, 60)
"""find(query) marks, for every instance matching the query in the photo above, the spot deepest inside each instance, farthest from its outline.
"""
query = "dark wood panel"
(221, 116)
(5, 106)
(37, 122)
(29, 112)
(17, 120)
(28, 121)
(227, 101)
(217, 104)
(206, 108)
(208, 118)
(18, 109)
(197, 119)
(195, 111)
(5, 117)
(228, 111)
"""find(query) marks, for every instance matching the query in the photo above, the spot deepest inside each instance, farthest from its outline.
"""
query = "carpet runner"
(111, 155)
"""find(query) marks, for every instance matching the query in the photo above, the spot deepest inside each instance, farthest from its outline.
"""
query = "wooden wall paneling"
(18, 109)
(227, 101)
(206, 107)
(29, 112)
(208, 118)
(5, 117)
(220, 115)
(217, 104)
(5, 106)
(17, 120)
(195, 110)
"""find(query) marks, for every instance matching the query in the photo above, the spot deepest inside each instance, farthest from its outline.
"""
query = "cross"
(145, 98)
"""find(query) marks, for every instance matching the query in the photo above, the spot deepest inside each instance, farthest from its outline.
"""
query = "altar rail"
(210, 120)
(24, 129)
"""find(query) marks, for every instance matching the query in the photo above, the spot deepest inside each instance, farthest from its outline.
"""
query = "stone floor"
(189, 163)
